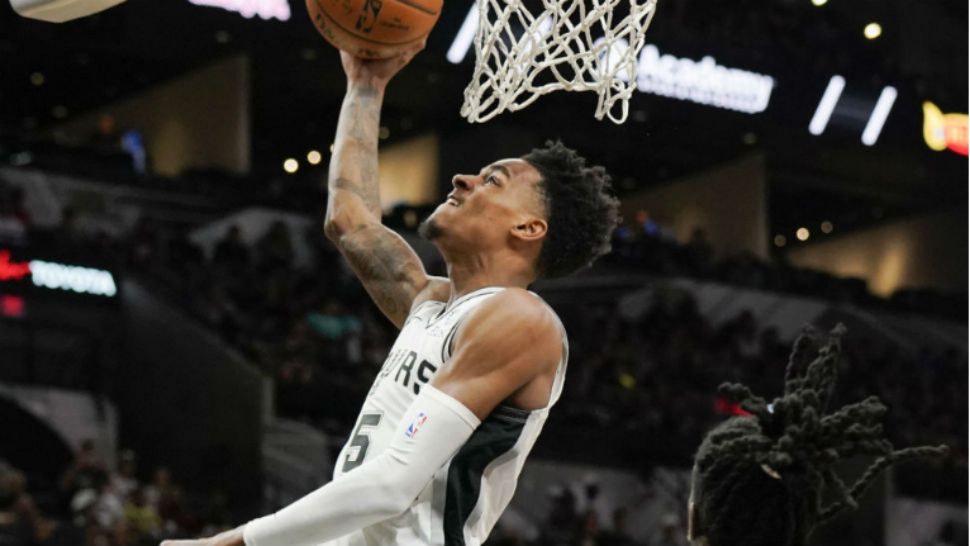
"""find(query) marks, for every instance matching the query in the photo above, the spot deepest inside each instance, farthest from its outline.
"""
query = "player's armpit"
(510, 346)
(388, 267)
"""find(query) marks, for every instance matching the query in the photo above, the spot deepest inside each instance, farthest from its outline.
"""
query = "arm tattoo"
(388, 268)
(354, 166)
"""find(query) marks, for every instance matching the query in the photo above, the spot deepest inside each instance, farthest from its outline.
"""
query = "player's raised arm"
(386, 265)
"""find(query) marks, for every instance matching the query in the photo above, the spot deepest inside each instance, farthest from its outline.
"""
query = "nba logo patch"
(416, 425)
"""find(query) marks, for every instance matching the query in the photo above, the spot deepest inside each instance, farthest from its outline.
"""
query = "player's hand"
(376, 72)
(228, 538)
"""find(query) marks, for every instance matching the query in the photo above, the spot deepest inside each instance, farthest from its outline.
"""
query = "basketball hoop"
(570, 45)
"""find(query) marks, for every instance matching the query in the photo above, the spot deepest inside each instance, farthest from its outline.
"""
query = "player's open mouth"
(453, 202)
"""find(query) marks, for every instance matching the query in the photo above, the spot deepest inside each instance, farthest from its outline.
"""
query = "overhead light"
(819, 3)
(291, 165)
(780, 240)
(313, 157)
(879, 114)
(331, 147)
(827, 105)
(873, 31)
(802, 234)
(37, 79)
(466, 35)
(384, 133)
(826, 227)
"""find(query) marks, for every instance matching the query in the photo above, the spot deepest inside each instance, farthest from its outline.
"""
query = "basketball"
(374, 29)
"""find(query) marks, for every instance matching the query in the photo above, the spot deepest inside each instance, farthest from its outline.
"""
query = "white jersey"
(466, 496)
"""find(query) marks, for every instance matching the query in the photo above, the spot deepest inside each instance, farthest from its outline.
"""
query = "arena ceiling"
(50, 73)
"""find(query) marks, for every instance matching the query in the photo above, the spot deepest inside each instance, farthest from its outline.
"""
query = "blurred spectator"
(141, 518)
(560, 526)
(947, 536)
(133, 143)
(700, 250)
(589, 530)
(230, 251)
(618, 533)
(14, 219)
(123, 481)
(68, 232)
(21, 523)
(87, 471)
(109, 509)
(275, 247)
(160, 491)
(106, 139)
(672, 533)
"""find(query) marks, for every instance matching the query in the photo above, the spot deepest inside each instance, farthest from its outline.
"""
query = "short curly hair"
(580, 209)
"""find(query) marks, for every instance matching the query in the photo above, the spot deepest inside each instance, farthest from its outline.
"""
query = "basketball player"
(444, 432)
(759, 480)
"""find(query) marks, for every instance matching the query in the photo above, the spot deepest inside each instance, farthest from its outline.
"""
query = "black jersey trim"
(447, 345)
(494, 437)
(510, 412)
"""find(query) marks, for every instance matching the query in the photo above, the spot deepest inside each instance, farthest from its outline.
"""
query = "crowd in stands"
(314, 329)
(14, 217)
(632, 381)
(656, 376)
(645, 246)
(96, 504)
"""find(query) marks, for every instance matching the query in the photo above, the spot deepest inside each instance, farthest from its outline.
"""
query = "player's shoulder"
(511, 328)
(518, 307)
(520, 298)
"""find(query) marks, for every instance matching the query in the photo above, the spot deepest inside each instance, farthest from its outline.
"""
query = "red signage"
(12, 271)
(57, 276)
(11, 306)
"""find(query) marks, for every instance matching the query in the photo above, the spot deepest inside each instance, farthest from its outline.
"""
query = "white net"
(572, 45)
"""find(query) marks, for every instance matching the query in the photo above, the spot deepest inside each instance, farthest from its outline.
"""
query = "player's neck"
(474, 273)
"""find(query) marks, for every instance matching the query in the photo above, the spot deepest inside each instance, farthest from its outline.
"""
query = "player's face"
(482, 209)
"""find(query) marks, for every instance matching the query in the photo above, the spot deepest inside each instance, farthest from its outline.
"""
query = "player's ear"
(531, 229)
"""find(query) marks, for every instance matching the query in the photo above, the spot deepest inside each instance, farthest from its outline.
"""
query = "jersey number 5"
(361, 440)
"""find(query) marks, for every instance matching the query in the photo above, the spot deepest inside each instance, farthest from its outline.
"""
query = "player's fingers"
(416, 48)
(413, 50)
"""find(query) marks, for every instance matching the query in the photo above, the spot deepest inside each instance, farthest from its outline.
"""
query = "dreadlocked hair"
(581, 210)
(762, 476)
